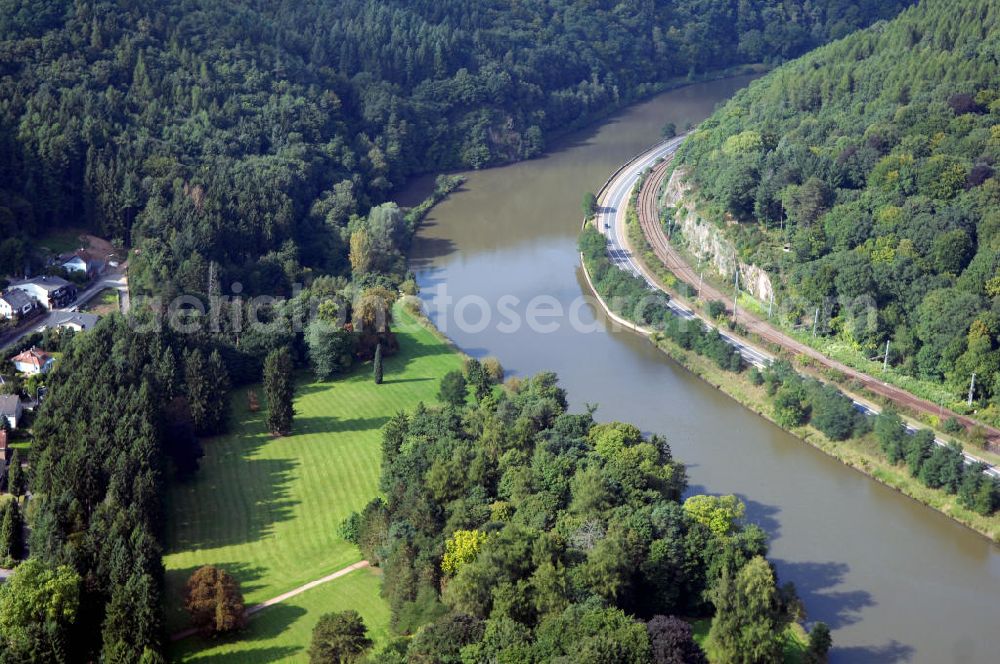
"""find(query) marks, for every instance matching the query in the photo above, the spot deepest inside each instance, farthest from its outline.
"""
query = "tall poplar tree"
(17, 484)
(377, 365)
(280, 391)
(11, 530)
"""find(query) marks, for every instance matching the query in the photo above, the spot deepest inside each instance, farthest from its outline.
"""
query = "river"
(895, 580)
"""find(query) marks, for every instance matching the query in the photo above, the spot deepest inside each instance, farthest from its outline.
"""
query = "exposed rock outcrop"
(708, 242)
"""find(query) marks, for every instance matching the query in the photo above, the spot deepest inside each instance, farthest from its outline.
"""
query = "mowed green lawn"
(282, 632)
(268, 509)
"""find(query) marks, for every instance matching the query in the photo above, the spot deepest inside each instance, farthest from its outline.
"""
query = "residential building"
(11, 408)
(71, 320)
(33, 361)
(51, 292)
(83, 262)
(15, 304)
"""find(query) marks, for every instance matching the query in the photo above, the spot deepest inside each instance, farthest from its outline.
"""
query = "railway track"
(649, 220)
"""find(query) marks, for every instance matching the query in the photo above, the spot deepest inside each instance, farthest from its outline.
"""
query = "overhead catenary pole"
(736, 293)
(815, 320)
(885, 361)
(972, 387)
(770, 304)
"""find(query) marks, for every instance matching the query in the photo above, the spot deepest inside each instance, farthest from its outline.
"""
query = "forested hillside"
(863, 176)
(249, 132)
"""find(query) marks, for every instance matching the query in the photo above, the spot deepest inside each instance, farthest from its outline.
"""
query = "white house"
(81, 261)
(10, 407)
(16, 304)
(71, 320)
(33, 361)
(51, 292)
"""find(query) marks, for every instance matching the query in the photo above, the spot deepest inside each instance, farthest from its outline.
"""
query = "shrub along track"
(649, 220)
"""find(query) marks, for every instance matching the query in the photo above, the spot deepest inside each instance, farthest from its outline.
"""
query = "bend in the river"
(895, 580)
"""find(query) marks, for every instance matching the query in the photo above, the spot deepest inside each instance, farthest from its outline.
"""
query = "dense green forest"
(249, 133)
(123, 410)
(514, 531)
(863, 177)
(252, 141)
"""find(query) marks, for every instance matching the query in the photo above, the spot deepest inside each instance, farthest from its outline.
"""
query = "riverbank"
(860, 454)
(852, 546)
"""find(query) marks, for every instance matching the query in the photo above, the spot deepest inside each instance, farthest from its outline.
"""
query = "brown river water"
(895, 580)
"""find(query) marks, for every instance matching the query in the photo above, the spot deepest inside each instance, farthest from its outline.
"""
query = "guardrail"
(631, 160)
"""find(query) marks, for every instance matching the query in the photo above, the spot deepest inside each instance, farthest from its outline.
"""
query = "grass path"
(282, 632)
(268, 509)
(284, 597)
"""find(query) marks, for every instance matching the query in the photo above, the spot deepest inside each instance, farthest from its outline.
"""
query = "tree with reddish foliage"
(673, 641)
(214, 601)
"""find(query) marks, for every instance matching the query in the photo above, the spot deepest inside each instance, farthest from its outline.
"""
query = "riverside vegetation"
(935, 475)
(513, 530)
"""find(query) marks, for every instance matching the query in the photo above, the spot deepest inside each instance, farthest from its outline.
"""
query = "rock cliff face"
(707, 241)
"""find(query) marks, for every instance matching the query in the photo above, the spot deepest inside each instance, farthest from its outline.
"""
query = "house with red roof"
(33, 361)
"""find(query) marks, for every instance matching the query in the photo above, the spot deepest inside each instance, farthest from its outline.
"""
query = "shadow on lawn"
(247, 575)
(391, 381)
(176, 617)
(328, 424)
(237, 505)
(412, 348)
(266, 625)
(279, 654)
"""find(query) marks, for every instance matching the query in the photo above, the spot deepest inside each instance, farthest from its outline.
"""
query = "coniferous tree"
(476, 377)
(17, 483)
(377, 365)
(207, 383)
(819, 644)
(280, 391)
(132, 620)
(108, 524)
(219, 403)
(199, 390)
(11, 531)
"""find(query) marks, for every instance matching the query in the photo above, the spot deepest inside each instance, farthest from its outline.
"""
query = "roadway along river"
(895, 580)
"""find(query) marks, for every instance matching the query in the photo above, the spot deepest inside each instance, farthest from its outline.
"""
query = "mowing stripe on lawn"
(268, 509)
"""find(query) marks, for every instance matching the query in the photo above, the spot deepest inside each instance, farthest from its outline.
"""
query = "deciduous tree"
(745, 627)
(339, 638)
(454, 389)
(672, 641)
(213, 599)
(38, 604)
